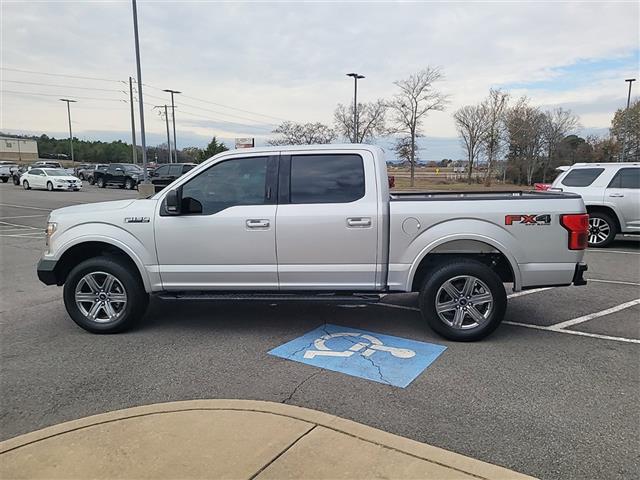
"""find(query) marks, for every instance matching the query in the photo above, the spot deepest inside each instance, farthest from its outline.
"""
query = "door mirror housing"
(173, 201)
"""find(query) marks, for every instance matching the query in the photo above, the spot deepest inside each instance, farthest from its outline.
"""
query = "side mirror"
(173, 201)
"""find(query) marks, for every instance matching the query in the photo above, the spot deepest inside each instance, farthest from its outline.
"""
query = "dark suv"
(165, 174)
(125, 175)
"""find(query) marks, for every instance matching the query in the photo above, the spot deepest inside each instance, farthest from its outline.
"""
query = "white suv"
(611, 193)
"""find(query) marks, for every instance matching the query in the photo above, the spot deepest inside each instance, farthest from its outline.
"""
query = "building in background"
(18, 149)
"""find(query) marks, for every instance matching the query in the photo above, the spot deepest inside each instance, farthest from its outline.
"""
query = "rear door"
(160, 176)
(623, 193)
(327, 221)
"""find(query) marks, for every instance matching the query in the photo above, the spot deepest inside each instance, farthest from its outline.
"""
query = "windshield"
(55, 172)
(132, 168)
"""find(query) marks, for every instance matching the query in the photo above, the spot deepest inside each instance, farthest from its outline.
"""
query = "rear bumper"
(46, 271)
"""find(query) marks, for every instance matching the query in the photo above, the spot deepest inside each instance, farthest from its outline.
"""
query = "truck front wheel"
(102, 295)
(463, 300)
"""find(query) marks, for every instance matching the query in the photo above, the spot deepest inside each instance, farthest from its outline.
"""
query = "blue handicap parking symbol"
(381, 358)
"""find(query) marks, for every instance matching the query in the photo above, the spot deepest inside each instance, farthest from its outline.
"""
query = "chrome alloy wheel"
(599, 230)
(100, 297)
(464, 302)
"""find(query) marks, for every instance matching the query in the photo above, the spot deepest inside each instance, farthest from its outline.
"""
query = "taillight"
(577, 224)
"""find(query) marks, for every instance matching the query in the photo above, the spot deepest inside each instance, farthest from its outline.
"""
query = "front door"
(327, 222)
(225, 237)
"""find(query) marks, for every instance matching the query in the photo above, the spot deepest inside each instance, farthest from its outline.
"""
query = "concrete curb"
(460, 463)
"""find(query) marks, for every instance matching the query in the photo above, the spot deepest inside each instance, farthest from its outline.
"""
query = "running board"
(272, 297)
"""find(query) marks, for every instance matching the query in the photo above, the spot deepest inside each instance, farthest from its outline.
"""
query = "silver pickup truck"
(309, 223)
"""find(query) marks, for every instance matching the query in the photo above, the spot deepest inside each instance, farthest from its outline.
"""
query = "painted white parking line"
(599, 250)
(24, 206)
(21, 216)
(591, 316)
(574, 332)
(527, 292)
(617, 282)
(17, 225)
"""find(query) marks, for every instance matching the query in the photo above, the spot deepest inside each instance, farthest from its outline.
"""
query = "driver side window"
(241, 181)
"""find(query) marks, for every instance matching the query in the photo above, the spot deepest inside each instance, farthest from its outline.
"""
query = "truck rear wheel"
(463, 300)
(102, 295)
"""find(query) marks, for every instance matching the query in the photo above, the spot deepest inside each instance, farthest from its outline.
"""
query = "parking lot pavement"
(546, 401)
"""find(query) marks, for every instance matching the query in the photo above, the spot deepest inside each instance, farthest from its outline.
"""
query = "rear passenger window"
(581, 177)
(626, 178)
(326, 178)
(175, 170)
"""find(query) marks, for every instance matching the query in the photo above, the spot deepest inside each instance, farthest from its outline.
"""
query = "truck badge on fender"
(528, 219)
(136, 220)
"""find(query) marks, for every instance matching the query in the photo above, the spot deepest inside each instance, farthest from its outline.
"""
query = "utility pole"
(173, 116)
(356, 77)
(134, 154)
(70, 132)
(166, 119)
(626, 120)
(140, 102)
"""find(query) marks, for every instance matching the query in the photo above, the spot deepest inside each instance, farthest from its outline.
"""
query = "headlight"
(50, 230)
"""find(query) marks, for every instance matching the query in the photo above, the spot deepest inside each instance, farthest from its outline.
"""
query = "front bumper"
(578, 278)
(46, 271)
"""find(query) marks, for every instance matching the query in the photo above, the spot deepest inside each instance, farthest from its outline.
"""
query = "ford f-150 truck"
(312, 222)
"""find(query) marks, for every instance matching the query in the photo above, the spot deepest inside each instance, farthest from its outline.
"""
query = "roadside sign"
(245, 142)
(374, 356)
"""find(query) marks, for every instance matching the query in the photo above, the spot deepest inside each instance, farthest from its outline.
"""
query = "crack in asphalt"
(297, 387)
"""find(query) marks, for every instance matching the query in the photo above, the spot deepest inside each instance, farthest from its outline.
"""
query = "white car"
(611, 193)
(51, 179)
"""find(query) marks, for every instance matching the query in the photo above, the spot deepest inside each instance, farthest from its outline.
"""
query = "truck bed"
(479, 195)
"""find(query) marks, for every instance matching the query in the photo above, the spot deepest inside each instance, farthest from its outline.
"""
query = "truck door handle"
(360, 222)
(617, 195)
(258, 223)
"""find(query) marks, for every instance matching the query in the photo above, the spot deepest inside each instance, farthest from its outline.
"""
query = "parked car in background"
(124, 175)
(86, 173)
(78, 168)
(46, 164)
(15, 176)
(6, 170)
(166, 174)
(51, 179)
(611, 193)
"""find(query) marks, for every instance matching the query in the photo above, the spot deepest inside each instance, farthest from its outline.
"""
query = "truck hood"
(90, 208)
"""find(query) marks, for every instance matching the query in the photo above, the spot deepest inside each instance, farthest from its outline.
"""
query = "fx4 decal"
(544, 219)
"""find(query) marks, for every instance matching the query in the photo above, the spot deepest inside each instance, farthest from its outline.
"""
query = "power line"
(60, 75)
(61, 86)
(58, 95)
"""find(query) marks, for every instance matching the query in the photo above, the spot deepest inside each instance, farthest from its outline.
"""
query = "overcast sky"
(273, 61)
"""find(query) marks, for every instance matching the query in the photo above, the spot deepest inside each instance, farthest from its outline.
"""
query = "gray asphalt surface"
(550, 404)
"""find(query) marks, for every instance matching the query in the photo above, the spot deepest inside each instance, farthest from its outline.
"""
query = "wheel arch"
(484, 250)
(608, 210)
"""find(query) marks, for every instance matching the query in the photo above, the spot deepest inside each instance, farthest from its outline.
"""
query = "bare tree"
(410, 106)
(402, 147)
(371, 120)
(495, 107)
(558, 124)
(525, 126)
(471, 122)
(302, 134)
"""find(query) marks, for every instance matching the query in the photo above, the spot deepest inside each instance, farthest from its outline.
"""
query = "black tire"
(5, 179)
(602, 230)
(91, 181)
(128, 184)
(470, 329)
(137, 297)
(25, 185)
(50, 186)
(16, 181)
(101, 183)
(82, 176)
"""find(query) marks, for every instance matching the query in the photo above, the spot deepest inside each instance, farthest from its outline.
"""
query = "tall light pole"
(626, 120)
(166, 119)
(70, 132)
(140, 102)
(356, 77)
(173, 116)
(134, 154)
